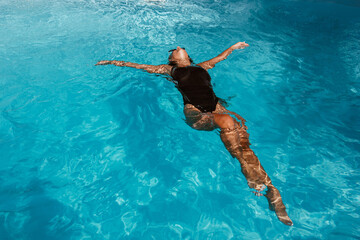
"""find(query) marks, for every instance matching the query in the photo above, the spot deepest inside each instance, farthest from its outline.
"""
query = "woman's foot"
(276, 204)
(283, 216)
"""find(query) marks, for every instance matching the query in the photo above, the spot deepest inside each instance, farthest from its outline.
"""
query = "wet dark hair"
(173, 63)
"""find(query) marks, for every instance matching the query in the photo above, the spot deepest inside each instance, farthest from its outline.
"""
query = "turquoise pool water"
(104, 153)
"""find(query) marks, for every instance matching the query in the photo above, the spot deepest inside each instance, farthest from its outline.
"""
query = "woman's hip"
(200, 120)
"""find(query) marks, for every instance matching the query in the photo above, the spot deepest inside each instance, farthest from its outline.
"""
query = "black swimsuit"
(194, 83)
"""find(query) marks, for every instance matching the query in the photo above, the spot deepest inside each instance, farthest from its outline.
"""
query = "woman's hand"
(240, 45)
(241, 119)
(103, 63)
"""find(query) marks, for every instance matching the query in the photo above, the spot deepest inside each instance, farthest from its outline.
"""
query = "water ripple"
(104, 152)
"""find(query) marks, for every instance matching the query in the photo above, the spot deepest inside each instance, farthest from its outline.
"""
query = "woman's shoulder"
(193, 67)
(199, 66)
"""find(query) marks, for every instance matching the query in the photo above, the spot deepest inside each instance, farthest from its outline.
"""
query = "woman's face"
(179, 54)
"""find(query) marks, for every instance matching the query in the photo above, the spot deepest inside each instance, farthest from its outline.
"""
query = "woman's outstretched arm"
(222, 56)
(160, 69)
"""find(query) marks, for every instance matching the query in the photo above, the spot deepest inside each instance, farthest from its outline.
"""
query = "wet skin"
(232, 130)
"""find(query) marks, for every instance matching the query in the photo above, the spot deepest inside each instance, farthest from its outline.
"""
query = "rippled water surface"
(104, 153)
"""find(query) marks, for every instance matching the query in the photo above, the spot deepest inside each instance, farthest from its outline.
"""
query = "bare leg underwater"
(236, 140)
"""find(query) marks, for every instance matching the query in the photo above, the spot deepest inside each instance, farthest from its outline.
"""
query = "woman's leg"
(199, 120)
(236, 141)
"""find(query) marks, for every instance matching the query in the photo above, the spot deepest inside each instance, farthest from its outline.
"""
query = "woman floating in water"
(203, 111)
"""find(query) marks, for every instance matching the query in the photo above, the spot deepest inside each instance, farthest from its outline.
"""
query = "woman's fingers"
(241, 119)
(241, 45)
